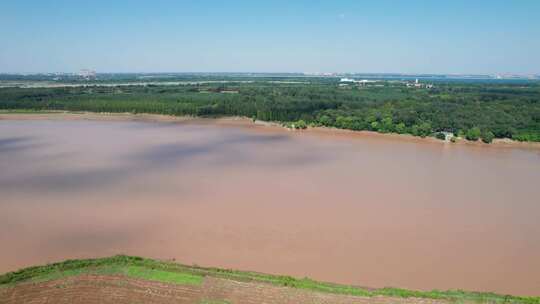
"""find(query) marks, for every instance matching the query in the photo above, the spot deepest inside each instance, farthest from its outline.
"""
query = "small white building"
(87, 74)
(448, 135)
(417, 84)
(362, 82)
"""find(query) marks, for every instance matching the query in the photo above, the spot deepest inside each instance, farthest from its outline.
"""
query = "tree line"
(472, 111)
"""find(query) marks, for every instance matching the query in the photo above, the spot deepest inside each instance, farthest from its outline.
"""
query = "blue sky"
(415, 36)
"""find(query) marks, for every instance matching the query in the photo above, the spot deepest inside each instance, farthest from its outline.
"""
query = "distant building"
(417, 84)
(87, 74)
(364, 82)
(345, 81)
(320, 74)
(448, 135)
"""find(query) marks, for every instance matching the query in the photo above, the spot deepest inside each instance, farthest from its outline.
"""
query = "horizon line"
(268, 72)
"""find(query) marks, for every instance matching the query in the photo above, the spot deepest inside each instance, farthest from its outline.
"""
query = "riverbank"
(249, 123)
(197, 284)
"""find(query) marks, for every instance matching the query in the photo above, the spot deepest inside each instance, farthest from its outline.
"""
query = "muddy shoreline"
(261, 125)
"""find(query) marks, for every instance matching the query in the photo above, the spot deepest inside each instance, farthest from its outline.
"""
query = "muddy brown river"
(364, 210)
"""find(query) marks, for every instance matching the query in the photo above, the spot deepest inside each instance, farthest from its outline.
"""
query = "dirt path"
(119, 290)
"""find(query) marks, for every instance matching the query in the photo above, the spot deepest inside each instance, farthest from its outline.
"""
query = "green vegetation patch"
(169, 272)
(119, 265)
(55, 275)
(163, 276)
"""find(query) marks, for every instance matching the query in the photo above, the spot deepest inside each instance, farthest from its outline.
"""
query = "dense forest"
(471, 110)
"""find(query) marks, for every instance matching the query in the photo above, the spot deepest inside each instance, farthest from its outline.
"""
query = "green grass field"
(169, 272)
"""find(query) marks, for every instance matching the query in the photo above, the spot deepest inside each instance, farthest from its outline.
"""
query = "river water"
(364, 210)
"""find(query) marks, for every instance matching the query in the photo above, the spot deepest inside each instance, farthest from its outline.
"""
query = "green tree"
(374, 126)
(325, 120)
(400, 128)
(386, 125)
(473, 134)
(300, 124)
(415, 130)
(344, 122)
(423, 129)
(487, 137)
(371, 118)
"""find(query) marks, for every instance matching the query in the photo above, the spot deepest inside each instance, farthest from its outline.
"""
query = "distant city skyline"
(341, 36)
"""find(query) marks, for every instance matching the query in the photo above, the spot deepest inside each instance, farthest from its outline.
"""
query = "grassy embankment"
(169, 272)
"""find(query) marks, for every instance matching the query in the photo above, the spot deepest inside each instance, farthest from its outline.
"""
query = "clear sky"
(414, 36)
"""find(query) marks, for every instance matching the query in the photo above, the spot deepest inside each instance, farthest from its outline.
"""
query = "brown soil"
(118, 290)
